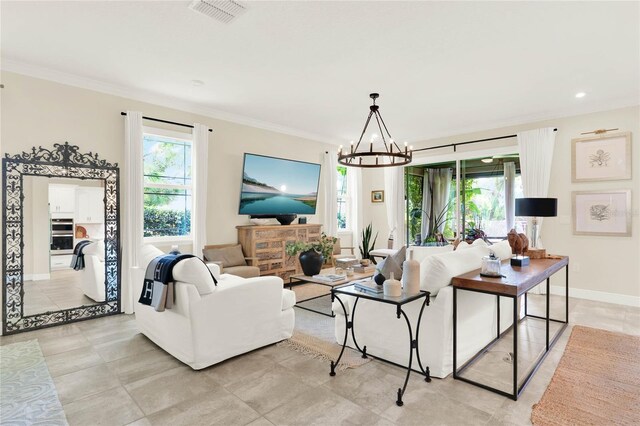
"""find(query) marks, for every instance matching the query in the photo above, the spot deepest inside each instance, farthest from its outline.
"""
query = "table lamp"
(535, 208)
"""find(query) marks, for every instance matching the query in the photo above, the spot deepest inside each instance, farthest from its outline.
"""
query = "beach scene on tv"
(275, 186)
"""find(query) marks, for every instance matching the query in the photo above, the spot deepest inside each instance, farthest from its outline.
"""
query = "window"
(343, 199)
(167, 185)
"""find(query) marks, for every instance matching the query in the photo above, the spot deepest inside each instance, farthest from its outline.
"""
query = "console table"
(266, 245)
(516, 281)
(399, 302)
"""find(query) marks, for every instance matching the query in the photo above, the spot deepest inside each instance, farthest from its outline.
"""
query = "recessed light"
(197, 83)
(487, 160)
(580, 95)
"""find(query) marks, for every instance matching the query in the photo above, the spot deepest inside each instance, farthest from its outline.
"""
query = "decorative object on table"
(601, 157)
(329, 277)
(81, 232)
(367, 245)
(606, 212)
(411, 275)
(312, 253)
(302, 220)
(346, 262)
(379, 279)
(393, 264)
(260, 221)
(388, 155)
(491, 266)
(368, 286)
(174, 249)
(519, 245)
(536, 207)
(377, 196)
(392, 287)
(364, 269)
(365, 262)
(349, 271)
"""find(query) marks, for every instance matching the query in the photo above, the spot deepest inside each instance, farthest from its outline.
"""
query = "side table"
(399, 302)
(516, 281)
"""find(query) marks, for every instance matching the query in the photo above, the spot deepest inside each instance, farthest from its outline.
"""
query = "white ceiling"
(442, 68)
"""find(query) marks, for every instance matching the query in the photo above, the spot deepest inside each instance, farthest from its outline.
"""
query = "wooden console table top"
(296, 225)
(518, 279)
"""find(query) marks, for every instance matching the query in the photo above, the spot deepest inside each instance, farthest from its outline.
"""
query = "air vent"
(221, 10)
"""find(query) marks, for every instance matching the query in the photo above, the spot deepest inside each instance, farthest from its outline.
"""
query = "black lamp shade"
(536, 207)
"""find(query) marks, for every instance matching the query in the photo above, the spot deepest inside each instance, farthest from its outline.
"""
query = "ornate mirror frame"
(63, 160)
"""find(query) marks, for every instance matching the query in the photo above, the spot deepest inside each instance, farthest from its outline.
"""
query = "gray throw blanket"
(77, 260)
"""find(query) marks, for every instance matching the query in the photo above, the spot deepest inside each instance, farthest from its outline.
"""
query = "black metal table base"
(517, 389)
(300, 282)
(413, 344)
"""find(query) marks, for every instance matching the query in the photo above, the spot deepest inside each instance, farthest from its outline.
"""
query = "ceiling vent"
(221, 10)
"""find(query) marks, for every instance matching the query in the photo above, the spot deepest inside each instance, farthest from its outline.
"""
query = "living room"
(468, 86)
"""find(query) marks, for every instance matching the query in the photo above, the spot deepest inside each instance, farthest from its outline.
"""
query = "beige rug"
(316, 347)
(309, 291)
(597, 381)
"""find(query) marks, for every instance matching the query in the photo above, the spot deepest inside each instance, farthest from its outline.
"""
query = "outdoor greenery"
(367, 245)
(324, 246)
(162, 223)
(342, 202)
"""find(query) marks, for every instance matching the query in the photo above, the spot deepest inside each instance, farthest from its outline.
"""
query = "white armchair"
(208, 324)
(93, 275)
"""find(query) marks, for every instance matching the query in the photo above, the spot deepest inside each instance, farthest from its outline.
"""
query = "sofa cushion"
(147, 254)
(288, 299)
(95, 249)
(502, 250)
(243, 271)
(229, 256)
(215, 270)
(420, 253)
(437, 271)
(193, 271)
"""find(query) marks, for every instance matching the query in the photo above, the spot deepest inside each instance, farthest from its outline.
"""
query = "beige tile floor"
(107, 373)
(62, 291)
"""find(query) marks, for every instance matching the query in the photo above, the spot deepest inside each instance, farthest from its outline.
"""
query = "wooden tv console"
(266, 244)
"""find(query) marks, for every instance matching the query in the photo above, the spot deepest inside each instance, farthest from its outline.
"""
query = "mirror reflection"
(63, 243)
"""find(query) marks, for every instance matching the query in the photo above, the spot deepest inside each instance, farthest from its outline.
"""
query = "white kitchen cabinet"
(62, 198)
(62, 261)
(89, 205)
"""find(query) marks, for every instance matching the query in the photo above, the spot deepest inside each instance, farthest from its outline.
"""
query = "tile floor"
(62, 291)
(107, 373)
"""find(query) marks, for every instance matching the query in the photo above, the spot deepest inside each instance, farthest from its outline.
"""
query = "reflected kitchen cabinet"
(89, 205)
(62, 198)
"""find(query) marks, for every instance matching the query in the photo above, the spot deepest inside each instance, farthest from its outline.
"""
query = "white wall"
(602, 268)
(38, 112)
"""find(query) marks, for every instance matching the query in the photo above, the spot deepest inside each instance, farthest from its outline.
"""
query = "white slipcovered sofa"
(93, 276)
(385, 336)
(208, 324)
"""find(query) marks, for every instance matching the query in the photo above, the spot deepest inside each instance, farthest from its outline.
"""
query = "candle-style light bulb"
(405, 147)
(352, 147)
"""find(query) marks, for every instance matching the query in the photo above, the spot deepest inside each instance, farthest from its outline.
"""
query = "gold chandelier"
(390, 155)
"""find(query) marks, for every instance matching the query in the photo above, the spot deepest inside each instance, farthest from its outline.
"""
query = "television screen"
(276, 186)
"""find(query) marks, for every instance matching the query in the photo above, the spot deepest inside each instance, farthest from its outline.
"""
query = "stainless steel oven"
(61, 236)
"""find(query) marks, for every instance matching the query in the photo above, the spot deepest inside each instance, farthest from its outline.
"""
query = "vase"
(311, 262)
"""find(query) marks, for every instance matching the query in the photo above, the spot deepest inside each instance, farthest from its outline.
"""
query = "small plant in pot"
(312, 254)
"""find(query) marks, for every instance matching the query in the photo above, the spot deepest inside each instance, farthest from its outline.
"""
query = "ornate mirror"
(56, 201)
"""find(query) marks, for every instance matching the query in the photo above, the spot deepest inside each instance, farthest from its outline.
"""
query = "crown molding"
(135, 94)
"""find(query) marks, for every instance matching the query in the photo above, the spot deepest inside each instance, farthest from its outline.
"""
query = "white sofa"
(93, 276)
(208, 324)
(385, 336)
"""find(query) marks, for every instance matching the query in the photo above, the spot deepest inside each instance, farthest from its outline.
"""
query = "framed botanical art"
(604, 212)
(377, 196)
(601, 157)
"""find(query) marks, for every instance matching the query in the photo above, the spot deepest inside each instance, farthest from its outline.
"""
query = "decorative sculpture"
(518, 241)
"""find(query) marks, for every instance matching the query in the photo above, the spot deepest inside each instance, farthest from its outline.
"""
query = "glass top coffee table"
(299, 279)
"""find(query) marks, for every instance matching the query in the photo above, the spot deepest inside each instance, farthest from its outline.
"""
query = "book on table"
(330, 277)
(368, 286)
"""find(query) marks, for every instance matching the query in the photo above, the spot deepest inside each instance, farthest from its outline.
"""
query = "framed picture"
(377, 196)
(601, 157)
(602, 212)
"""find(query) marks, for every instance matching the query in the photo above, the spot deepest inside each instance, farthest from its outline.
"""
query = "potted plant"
(312, 254)
(367, 245)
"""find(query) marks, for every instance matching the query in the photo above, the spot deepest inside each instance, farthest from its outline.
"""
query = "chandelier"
(389, 155)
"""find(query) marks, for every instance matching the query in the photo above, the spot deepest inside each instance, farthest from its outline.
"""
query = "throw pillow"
(502, 250)
(437, 271)
(228, 256)
(194, 271)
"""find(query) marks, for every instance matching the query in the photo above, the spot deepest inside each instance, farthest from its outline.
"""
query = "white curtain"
(509, 194)
(395, 203)
(132, 209)
(438, 181)
(354, 189)
(200, 153)
(329, 183)
(536, 156)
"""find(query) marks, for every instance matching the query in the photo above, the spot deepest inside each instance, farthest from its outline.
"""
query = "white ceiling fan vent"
(221, 10)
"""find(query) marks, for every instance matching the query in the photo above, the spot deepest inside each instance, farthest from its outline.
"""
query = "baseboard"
(36, 277)
(598, 296)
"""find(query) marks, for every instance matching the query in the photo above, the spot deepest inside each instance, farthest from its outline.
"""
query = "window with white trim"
(343, 199)
(168, 184)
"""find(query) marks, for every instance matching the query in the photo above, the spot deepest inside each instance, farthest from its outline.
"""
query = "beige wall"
(607, 265)
(39, 112)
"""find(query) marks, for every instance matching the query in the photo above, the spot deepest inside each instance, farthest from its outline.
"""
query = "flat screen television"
(273, 187)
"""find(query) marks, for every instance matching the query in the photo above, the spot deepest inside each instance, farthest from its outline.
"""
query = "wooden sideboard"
(266, 244)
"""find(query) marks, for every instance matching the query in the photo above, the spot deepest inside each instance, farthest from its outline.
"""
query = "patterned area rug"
(27, 393)
(597, 381)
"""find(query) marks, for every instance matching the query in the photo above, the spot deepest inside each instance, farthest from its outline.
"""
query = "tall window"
(343, 199)
(167, 186)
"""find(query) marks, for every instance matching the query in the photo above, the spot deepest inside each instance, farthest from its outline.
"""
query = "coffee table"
(306, 279)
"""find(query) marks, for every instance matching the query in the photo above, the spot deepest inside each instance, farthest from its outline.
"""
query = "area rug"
(597, 381)
(27, 393)
(309, 291)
